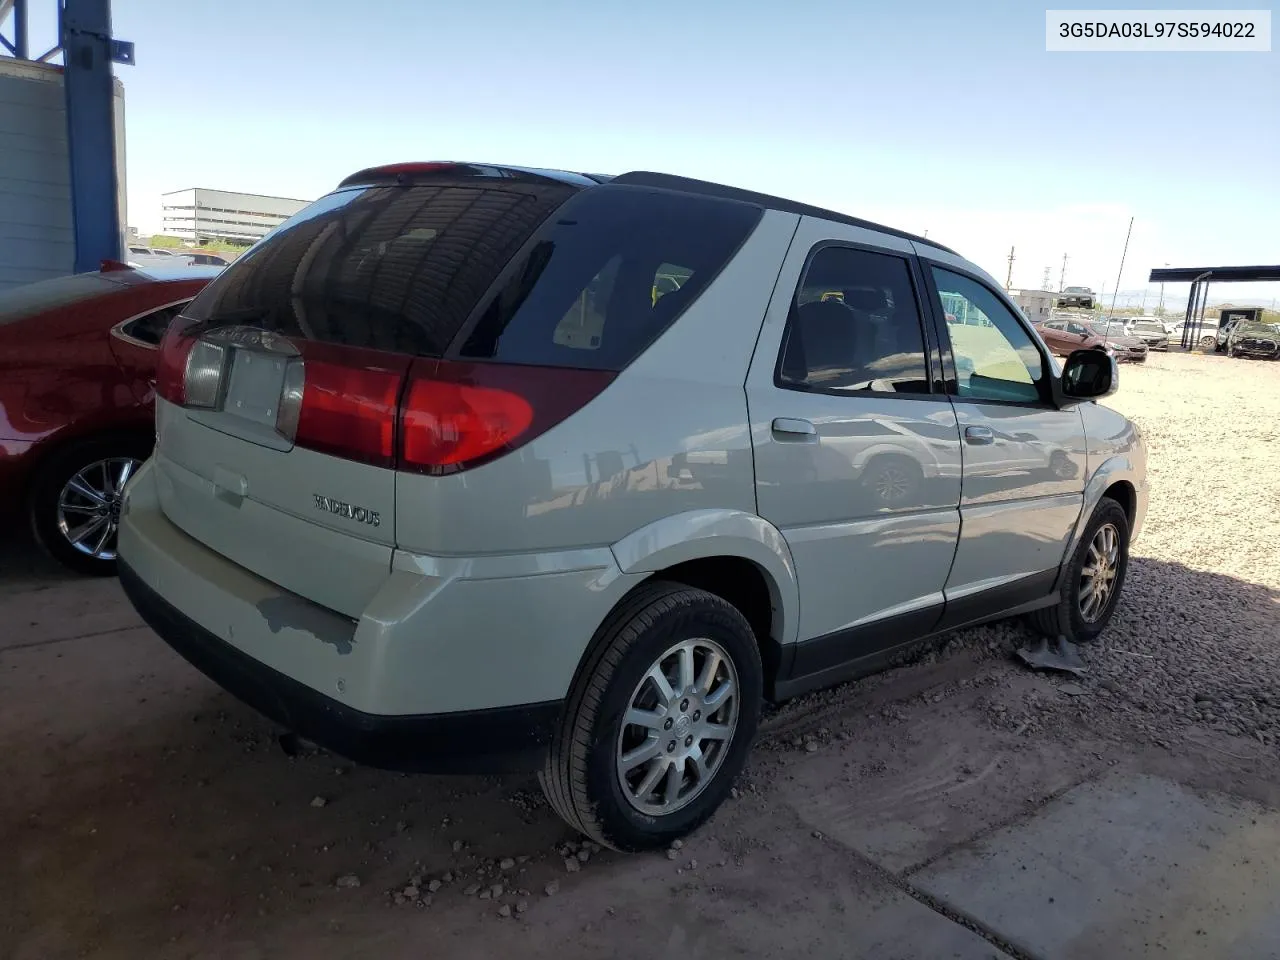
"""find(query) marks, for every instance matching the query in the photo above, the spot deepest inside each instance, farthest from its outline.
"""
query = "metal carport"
(1200, 278)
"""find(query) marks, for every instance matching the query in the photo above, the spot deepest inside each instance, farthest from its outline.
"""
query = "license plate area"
(255, 381)
(254, 386)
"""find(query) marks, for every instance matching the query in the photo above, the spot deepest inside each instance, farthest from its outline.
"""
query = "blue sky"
(946, 117)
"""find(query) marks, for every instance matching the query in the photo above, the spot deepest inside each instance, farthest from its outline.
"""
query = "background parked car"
(1076, 297)
(1150, 332)
(1253, 338)
(144, 257)
(77, 390)
(1064, 336)
(1223, 335)
(1123, 346)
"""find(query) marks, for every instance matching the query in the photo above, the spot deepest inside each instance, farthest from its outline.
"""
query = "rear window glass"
(606, 275)
(388, 267)
(33, 298)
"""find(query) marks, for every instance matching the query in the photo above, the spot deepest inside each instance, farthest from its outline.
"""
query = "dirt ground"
(144, 813)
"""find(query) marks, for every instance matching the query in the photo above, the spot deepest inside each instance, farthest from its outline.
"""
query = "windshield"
(1257, 328)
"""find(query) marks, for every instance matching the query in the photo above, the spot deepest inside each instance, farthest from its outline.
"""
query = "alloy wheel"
(89, 506)
(1098, 575)
(676, 731)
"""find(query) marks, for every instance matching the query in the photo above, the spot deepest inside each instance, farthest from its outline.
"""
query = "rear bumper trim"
(499, 740)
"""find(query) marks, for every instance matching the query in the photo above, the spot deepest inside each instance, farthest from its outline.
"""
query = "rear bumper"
(454, 664)
(497, 740)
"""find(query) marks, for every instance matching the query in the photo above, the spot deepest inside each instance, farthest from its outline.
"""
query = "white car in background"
(142, 257)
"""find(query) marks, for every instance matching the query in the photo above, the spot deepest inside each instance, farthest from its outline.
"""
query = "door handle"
(790, 429)
(979, 435)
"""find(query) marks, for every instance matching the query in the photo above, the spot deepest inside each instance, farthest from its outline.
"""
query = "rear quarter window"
(605, 276)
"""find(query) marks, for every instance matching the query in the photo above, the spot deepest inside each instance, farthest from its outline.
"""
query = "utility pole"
(1160, 309)
(1008, 278)
(1063, 277)
(1044, 284)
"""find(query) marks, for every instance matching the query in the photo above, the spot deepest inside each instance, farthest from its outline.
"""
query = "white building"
(1036, 304)
(200, 214)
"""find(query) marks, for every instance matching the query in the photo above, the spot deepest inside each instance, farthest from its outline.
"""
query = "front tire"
(74, 501)
(1093, 580)
(659, 721)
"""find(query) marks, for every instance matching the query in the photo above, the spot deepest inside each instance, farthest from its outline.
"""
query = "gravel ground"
(1195, 643)
(146, 813)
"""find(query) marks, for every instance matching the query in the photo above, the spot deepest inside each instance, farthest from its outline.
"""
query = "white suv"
(447, 477)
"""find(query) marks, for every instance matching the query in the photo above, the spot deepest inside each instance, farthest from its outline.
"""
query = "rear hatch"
(279, 427)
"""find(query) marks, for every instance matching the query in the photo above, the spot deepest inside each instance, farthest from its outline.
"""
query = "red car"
(77, 391)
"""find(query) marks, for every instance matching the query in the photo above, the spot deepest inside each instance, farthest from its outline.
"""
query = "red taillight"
(354, 403)
(458, 415)
(171, 367)
(349, 402)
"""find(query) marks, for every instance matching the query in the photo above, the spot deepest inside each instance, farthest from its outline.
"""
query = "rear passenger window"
(606, 275)
(854, 326)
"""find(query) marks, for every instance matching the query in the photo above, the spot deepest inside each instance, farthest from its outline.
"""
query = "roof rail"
(645, 178)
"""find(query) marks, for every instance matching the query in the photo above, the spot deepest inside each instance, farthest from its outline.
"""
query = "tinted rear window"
(33, 298)
(389, 267)
(606, 275)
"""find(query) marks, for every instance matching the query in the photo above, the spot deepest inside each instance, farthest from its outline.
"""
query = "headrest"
(870, 301)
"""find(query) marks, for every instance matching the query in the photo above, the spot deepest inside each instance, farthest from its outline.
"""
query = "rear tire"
(1080, 614)
(74, 505)
(587, 779)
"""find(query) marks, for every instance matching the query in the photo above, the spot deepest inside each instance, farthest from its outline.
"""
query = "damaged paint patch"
(291, 613)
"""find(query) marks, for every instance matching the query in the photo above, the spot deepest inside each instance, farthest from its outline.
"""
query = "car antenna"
(1116, 292)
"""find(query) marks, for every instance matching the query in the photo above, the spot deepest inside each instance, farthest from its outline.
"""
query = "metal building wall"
(36, 236)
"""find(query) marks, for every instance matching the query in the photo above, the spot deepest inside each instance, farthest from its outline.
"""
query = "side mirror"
(1090, 374)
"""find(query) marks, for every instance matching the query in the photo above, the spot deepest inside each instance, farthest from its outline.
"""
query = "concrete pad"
(904, 798)
(1128, 867)
(64, 611)
(788, 896)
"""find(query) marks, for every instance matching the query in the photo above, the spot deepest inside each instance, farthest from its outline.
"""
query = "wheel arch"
(738, 556)
(1120, 478)
(66, 439)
